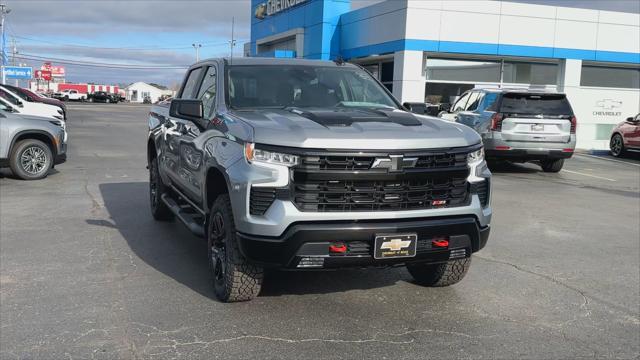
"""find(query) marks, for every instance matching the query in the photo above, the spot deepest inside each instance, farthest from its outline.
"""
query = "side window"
(461, 103)
(8, 97)
(474, 100)
(189, 86)
(207, 92)
(638, 117)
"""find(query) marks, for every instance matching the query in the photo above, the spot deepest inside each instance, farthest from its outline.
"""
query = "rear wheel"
(159, 209)
(31, 159)
(553, 166)
(438, 275)
(616, 145)
(234, 278)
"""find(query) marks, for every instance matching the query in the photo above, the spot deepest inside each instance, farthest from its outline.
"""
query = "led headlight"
(475, 157)
(263, 156)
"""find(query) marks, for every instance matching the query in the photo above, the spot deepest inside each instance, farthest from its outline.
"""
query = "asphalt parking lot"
(85, 272)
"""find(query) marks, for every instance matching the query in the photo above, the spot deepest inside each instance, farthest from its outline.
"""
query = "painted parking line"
(607, 159)
(589, 175)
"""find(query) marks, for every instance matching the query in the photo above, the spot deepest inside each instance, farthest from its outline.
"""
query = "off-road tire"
(438, 275)
(552, 166)
(27, 148)
(159, 209)
(234, 278)
(617, 149)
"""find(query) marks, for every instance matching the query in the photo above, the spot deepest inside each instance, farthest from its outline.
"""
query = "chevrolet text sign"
(272, 7)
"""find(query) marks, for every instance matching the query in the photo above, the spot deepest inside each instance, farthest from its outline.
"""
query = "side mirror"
(416, 107)
(631, 120)
(186, 109)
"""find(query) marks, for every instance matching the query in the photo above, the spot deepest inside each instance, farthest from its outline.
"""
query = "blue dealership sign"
(18, 72)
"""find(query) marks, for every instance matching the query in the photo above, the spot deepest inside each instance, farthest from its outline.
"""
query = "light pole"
(197, 47)
(4, 10)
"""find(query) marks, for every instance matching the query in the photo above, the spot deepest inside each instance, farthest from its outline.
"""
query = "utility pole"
(14, 53)
(197, 47)
(232, 42)
(4, 10)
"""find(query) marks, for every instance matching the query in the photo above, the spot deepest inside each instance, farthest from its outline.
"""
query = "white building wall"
(409, 79)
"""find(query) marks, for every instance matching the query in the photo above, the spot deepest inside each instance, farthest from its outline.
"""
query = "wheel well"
(36, 136)
(216, 185)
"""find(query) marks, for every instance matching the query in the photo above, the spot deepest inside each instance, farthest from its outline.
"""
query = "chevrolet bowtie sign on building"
(272, 7)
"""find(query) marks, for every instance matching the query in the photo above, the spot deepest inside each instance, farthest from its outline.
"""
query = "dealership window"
(463, 70)
(382, 71)
(615, 77)
(529, 73)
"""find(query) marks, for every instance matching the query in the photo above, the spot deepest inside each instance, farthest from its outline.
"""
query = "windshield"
(275, 86)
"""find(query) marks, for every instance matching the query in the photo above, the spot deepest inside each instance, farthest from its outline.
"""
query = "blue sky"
(152, 33)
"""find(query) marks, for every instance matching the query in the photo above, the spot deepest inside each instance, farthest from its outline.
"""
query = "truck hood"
(357, 129)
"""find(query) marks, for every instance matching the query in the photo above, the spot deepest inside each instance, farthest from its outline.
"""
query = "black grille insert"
(260, 200)
(379, 195)
(482, 189)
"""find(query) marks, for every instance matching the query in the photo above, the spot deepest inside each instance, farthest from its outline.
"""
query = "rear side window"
(190, 85)
(535, 104)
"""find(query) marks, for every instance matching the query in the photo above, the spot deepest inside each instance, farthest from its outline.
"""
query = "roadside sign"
(43, 74)
(18, 72)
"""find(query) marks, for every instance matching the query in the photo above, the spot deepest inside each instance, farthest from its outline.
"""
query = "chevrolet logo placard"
(395, 244)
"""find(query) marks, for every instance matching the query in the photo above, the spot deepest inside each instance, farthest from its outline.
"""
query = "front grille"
(336, 162)
(365, 195)
(260, 199)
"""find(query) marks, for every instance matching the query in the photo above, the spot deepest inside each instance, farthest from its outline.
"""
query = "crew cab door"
(194, 136)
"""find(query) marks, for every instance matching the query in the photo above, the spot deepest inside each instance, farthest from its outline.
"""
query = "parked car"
(30, 96)
(103, 96)
(30, 145)
(520, 125)
(70, 94)
(303, 164)
(625, 136)
(18, 105)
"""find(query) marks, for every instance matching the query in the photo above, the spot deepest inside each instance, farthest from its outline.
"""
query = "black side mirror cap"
(416, 107)
(630, 119)
(186, 109)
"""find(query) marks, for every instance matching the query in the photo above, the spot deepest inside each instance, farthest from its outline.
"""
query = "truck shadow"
(172, 250)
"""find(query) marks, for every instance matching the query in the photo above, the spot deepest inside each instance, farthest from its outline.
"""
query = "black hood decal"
(346, 117)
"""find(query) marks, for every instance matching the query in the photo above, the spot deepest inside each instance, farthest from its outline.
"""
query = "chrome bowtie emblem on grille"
(395, 244)
(394, 163)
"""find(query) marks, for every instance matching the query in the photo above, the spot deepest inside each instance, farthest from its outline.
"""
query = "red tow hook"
(338, 248)
(440, 242)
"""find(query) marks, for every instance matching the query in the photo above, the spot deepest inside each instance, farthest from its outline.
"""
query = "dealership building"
(432, 51)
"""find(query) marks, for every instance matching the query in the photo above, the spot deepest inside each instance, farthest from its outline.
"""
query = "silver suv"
(520, 125)
(31, 145)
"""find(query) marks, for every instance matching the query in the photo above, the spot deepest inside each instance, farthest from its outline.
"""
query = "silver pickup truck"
(302, 164)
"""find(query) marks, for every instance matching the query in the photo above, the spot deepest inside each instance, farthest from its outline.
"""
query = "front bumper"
(306, 245)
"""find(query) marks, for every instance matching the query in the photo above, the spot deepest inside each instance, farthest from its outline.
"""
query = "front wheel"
(438, 275)
(552, 166)
(159, 209)
(616, 145)
(234, 278)
(31, 159)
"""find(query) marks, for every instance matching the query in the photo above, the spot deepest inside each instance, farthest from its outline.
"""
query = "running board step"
(188, 219)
